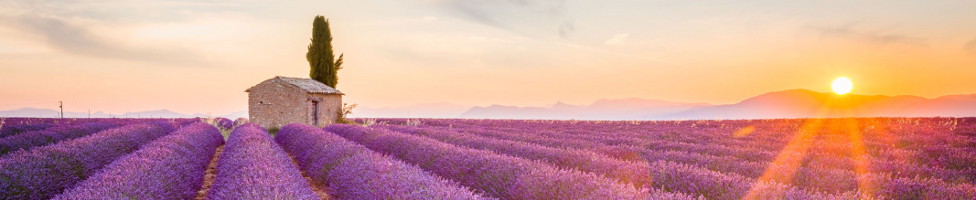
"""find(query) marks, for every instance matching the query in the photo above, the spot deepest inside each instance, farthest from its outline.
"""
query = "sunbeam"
(784, 167)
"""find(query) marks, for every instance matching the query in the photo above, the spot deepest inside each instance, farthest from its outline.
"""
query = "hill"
(809, 104)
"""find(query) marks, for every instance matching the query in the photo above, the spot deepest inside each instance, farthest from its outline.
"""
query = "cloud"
(875, 37)
(527, 17)
(110, 29)
(566, 28)
(970, 46)
(105, 29)
(617, 39)
(77, 38)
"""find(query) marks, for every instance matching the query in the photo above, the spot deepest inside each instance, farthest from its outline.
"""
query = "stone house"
(280, 101)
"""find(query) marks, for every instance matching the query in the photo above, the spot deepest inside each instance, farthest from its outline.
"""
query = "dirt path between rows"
(319, 190)
(209, 175)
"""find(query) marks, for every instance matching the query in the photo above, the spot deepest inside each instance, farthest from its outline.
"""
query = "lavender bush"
(171, 167)
(500, 176)
(253, 166)
(354, 172)
(186, 121)
(660, 174)
(46, 171)
(32, 139)
(10, 130)
(894, 158)
(902, 158)
(224, 123)
(239, 121)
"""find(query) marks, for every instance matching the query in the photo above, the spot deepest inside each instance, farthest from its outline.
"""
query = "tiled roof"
(308, 85)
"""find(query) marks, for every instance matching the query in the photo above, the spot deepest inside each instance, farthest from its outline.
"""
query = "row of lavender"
(720, 164)
(352, 171)
(827, 159)
(929, 135)
(59, 157)
(26, 133)
(694, 176)
(14, 126)
(170, 167)
(911, 133)
(496, 175)
(173, 167)
(328, 159)
(769, 138)
(416, 168)
(253, 166)
(42, 172)
(666, 175)
(445, 159)
(107, 165)
(822, 168)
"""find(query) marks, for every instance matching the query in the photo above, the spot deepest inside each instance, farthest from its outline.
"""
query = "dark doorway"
(315, 113)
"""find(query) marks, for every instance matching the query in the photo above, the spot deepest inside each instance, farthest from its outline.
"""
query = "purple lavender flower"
(10, 130)
(904, 158)
(32, 139)
(354, 172)
(46, 171)
(171, 167)
(224, 123)
(500, 176)
(253, 166)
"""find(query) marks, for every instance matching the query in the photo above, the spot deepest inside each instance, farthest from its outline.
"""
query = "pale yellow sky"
(199, 56)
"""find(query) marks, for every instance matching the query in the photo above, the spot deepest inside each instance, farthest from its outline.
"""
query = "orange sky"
(198, 57)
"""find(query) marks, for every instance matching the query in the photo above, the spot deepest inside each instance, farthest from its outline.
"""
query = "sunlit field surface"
(862, 158)
(884, 158)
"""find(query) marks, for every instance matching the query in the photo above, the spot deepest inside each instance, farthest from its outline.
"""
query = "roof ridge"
(307, 84)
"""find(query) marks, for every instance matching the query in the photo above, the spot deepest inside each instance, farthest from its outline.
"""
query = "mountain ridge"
(795, 103)
(159, 113)
(800, 103)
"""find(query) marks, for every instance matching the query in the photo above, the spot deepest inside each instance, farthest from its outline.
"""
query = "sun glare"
(842, 85)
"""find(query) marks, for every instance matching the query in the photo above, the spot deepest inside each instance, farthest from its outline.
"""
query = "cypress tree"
(321, 58)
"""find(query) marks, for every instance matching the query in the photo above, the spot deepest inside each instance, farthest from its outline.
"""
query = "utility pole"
(61, 107)
(89, 113)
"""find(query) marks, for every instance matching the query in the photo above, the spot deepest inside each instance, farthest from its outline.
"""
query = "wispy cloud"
(875, 37)
(566, 28)
(102, 28)
(970, 46)
(528, 17)
(617, 39)
(77, 38)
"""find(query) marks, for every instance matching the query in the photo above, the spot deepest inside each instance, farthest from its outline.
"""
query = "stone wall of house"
(274, 103)
(329, 108)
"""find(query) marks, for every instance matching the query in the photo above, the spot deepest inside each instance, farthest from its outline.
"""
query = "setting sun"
(842, 85)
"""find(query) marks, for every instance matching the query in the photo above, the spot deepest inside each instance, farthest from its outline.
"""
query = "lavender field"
(862, 158)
